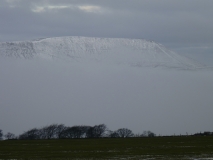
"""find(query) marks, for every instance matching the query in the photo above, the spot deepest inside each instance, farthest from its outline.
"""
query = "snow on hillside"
(134, 52)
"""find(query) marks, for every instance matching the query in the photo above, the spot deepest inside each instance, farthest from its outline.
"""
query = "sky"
(185, 26)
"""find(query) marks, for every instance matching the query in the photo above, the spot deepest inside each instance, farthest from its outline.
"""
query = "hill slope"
(134, 52)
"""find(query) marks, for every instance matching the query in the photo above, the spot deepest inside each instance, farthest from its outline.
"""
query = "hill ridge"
(134, 52)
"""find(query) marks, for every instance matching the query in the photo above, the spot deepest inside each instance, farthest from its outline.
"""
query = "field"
(200, 147)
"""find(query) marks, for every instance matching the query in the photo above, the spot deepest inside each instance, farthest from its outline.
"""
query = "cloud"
(39, 9)
(93, 9)
(84, 8)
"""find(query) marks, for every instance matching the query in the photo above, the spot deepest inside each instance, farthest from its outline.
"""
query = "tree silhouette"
(124, 133)
(10, 136)
(31, 134)
(48, 132)
(1, 134)
(75, 132)
(148, 134)
(113, 134)
(97, 131)
(59, 130)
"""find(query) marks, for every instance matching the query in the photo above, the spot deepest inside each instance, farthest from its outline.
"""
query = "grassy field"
(119, 148)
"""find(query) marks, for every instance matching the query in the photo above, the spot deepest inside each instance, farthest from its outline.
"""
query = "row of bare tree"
(60, 131)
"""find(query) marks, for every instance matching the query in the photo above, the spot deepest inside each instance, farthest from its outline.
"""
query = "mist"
(35, 93)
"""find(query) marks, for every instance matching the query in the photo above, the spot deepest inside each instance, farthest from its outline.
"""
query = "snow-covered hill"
(133, 52)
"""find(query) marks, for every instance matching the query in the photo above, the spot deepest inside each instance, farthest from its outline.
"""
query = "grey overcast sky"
(184, 25)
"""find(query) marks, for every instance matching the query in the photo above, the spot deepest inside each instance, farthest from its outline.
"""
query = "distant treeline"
(60, 131)
(204, 134)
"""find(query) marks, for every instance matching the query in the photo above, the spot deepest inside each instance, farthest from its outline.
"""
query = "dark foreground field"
(120, 148)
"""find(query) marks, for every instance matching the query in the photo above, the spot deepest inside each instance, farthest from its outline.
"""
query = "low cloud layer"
(39, 93)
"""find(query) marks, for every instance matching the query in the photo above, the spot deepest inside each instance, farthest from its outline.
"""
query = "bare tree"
(137, 135)
(97, 131)
(90, 133)
(48, 132)
(112, 134)
(84, 130)
(31, 134)
(124, 133)
(75, 132)
(148, 134)
(1, 134)
(10, 136)
(59, 130)
(71, 132)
